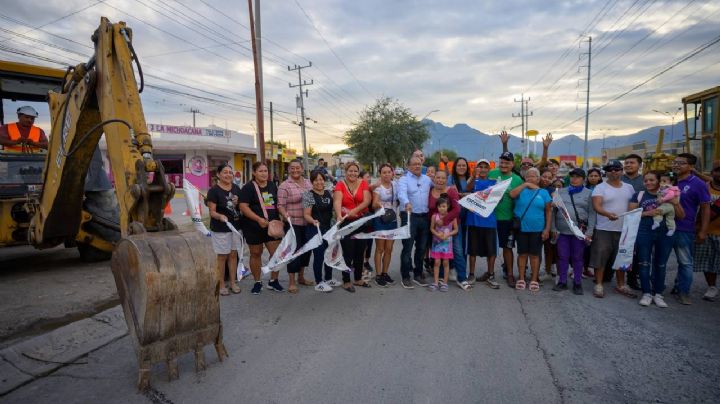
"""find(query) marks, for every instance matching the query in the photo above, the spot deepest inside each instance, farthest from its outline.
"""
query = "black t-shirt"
(322, 207)
(224, 206)
(249, 195)
(648, 202)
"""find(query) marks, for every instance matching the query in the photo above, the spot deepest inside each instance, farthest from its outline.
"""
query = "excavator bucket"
(169, 291)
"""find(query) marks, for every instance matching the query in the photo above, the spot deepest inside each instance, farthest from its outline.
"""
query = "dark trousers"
(419, 235)
(368, 249)
(318, 256)
(302, 261)
(353, 253)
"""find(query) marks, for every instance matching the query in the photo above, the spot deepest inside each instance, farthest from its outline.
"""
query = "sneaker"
(453, 276)
(257, 288)
(598, 291)
(560, 287)
(489, 279)
(380, 281)
(711, 294)
(685, 299)
(275, 285)
(419, 280)
(577, 289)
(659, 301)
(388, 279)
(333, 283)
(464, 285)
(646, 299)
(471, 279)
(433, 287)
(407, 283)
(323, 287)
(443, 287)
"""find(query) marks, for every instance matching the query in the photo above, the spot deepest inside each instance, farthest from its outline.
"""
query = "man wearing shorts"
(707, 253)
(504, 211)
(610, 199)
(482, 231)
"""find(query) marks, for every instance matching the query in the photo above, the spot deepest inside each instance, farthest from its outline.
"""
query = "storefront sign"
(186, 130)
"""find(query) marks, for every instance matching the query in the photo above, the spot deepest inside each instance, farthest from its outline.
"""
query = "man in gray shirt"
(632, 176)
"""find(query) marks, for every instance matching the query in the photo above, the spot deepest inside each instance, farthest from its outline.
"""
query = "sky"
(452, 61)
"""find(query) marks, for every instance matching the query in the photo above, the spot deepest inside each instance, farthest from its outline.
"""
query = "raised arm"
(504, 138)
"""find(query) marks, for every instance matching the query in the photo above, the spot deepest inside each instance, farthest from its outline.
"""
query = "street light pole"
(672, 120)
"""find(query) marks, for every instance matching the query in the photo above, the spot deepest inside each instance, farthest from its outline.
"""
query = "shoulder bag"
(390, 216)
(276, 229)
(518, 220)
(581, 224)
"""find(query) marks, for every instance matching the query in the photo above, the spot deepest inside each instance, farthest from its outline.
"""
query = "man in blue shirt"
(413, 194)
(482, 231)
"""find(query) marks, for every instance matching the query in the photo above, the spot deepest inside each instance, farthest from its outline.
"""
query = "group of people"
(680, 212)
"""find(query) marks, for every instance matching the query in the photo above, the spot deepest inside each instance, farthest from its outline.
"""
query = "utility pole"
(586, 164)
(194, 111)
(523, 121)
(301, 105)
(257, 59)
(272, 146)
(528, 113)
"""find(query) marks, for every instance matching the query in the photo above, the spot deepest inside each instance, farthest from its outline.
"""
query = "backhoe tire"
(105, 223)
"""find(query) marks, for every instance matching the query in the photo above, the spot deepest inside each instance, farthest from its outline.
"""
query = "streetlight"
(672, 125)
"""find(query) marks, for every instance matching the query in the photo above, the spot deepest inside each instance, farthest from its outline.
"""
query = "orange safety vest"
(14, 133)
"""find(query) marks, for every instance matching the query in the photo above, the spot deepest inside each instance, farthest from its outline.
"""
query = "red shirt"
(453, 212)
(350, 201)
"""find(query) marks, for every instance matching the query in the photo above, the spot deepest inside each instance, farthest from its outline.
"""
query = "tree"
(386, 132)
(312, 153)
(434, 159)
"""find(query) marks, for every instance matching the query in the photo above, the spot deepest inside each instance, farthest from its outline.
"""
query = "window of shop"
(173, 166)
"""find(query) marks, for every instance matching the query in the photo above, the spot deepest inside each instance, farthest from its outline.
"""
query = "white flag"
(484, 202)
(392, 234)
(336, 233)
(241, 270)
(334, 257)
(631, 222)
(562, 210)
(192, 198)
(282, 257)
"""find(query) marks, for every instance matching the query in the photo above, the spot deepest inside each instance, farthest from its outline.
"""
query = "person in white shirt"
(609, 199)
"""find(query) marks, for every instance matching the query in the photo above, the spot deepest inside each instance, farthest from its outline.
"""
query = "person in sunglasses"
(609, 199)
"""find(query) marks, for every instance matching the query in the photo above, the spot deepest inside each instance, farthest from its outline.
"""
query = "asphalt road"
(394, 345)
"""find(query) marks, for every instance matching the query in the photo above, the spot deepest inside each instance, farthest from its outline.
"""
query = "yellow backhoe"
(702, 126)
(166, 279)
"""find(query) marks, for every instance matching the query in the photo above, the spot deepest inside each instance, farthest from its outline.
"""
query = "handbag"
(390, 215)
(275, 229)
(518, 220)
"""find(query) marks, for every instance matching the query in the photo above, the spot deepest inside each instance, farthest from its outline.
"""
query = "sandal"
(224, 292)
(292, 289)
(364, 284)
(520, 285)
(305, 282)
(350, 288)
(235, 289)
(534, 287)
(626, 291)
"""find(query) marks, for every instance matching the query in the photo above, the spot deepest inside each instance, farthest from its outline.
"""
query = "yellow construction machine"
(660, 161)
(702, 126)
(166, 279)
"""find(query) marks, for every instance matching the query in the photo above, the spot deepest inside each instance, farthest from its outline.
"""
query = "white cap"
(483, 161)
(27, 110)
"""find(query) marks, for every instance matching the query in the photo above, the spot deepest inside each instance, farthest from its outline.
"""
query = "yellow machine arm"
(101, 96)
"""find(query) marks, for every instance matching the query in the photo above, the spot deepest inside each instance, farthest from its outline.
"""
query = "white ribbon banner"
(392, 234)
(192, 198)
(334, 257)
(562, 209)
(284, 252)
(241, 270)
(484, 202)
(336, 233)
(631, 222)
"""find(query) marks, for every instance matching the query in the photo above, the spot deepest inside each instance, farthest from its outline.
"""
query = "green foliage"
(343, 151)
(518, 159)
(434, 159)
(386, 132)
(312, 153)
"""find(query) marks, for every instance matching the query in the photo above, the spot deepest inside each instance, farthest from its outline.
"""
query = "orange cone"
(168, 209)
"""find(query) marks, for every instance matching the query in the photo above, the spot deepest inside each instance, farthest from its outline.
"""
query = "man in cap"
(504, 211)
(23, 136)
(609, 199)
(482, 231)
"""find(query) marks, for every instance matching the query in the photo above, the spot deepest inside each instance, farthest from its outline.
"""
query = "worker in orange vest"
(23, 136)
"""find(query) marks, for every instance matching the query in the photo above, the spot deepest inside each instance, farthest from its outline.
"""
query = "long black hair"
(456, 176)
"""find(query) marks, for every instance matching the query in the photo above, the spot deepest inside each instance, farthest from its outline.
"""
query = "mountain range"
(474, 144)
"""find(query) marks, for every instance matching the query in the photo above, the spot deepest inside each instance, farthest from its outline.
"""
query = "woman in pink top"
(290, 207)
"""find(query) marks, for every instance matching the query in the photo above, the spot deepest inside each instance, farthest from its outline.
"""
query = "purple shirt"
(693, 193)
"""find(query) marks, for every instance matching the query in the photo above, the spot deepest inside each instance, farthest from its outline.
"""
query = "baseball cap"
(579, 172)
(507, 156)
(613, 164)
(483, 161)
(27, 110)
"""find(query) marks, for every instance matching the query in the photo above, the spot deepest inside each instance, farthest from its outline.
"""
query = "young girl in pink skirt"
(441, 250)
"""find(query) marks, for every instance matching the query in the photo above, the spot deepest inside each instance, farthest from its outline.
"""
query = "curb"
(40, 356)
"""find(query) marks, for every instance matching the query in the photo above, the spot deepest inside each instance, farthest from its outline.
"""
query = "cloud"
(467, 59)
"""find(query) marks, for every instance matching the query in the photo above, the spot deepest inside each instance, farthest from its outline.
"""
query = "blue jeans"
(459, 257)
(318, 256)
(419, 236)
(652, 250)
(684, 247)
